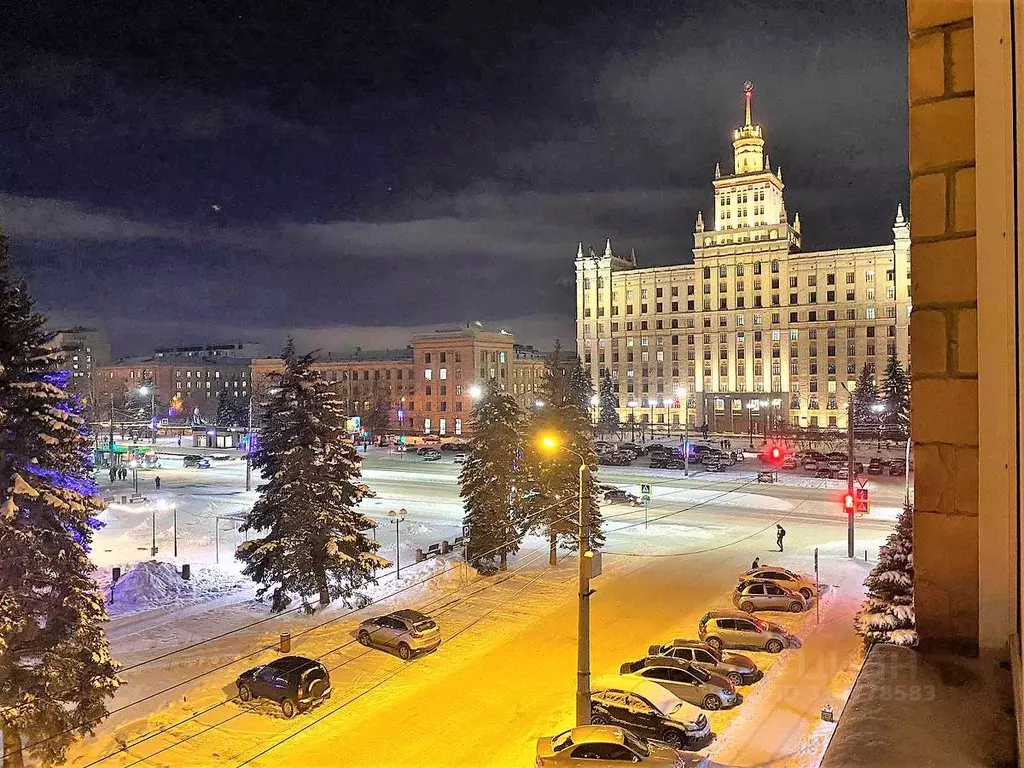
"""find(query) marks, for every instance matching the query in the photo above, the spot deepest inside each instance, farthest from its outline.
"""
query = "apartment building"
(84, 350)
(752, 318)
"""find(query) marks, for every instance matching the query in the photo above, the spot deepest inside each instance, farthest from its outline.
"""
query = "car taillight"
(416, 635)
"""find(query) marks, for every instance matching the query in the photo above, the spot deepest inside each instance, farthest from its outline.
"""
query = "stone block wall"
(943, 325)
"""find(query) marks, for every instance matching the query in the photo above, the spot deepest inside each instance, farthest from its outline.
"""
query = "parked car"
(875, 466)
(784, 578)
(738, 629)
(615, 459)
(740, 669)
(754, 595)
(842, 474)
(292, 682)
(430, 454)
(636, 448)
(897, 468)
(667, 461)
(689, 682)
(192, 461)
(789, 462)
(605, 746)
(425, 449)
(811, 465)
(650, 709)
(713, 464)
(824, 472)
(460, 458)
(407, 632)
(431, 438)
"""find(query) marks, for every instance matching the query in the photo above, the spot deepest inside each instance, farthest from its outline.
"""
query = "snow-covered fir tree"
(231, 411)
(492, 480)
(887, 615)
(896, 396)
(608, 420)
(565, 395)
(865, 396)
(312, 537)
(55, 670)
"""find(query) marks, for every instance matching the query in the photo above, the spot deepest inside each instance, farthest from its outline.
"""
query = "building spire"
(899, 213)
(608, 247)
(700, 221)
(579, 252)
(718, 171)
(796, 222)
(778, 172)
(748, 95)
(632, 256)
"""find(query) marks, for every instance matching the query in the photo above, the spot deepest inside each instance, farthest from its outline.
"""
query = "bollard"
(420, 557)
(286, 642)
(826, 714)
(186, 572)
(445, 547)
(865, 555)
(124, 499)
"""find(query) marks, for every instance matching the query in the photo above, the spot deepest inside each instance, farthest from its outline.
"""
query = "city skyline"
(604, 124)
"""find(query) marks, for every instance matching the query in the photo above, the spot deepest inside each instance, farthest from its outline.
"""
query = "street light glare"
(475, 391)
(595, 400)
(549, 442)
(143, 390)
(680, 392)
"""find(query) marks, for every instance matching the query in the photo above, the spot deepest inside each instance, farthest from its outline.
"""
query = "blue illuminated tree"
(55, 670)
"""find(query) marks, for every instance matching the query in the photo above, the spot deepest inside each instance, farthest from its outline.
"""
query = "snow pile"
(154, 584)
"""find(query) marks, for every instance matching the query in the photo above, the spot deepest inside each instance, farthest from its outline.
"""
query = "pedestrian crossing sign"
(645, 489)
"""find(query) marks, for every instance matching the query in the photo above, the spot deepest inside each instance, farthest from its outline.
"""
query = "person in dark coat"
(756, 564)
(780, 534)
(156, 481)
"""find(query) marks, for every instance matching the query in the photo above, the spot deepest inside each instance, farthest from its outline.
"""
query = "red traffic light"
(848, 502)
(776, 453)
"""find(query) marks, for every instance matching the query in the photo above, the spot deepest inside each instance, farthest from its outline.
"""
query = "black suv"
(293, 682)
(192, 460)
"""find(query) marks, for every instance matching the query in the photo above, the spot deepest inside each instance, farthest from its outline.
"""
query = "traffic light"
(776, 453)
(848, 502)
(773, 455)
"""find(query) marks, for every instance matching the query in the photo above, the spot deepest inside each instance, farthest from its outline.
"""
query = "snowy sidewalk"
(780, 723)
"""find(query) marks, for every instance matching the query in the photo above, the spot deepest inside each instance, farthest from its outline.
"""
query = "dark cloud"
(176, 174)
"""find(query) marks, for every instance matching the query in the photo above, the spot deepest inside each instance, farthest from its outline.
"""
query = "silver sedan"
(752, 596)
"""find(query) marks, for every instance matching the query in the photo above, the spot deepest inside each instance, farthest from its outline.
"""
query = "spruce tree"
(887, 615)
(896, 396)
(555, 476)
(608, 419)
(864, 397)
(227, 412)
(313, 538)
(491, 480)
(378, 419)
(55, 670)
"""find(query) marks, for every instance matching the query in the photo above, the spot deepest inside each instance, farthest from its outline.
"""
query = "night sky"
(183, 172)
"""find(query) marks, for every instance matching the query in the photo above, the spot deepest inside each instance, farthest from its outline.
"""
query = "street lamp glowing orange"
(549, 442)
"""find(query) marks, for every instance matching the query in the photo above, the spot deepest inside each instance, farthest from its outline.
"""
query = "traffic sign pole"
(817, 589)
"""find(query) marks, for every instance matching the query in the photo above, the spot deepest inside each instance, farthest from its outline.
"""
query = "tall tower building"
(753, 329)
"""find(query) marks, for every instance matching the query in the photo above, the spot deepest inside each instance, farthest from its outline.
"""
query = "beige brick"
(928, 202)
(965, 486)
(964, 205)
(945, 410)
(961, 70)
(922, 14)
(928, 330)
(966, 341)
(927, 73)
(941, 134)
(931, 477)
(946, 577)
(945, 271)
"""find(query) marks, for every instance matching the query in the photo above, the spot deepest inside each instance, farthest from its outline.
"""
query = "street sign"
(863, 481)
(645, 489)
(817, 587)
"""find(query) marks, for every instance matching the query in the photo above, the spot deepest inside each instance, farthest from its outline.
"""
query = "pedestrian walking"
(780, 534)
(156, 481)
(179, 441)
(112, 473)
(124, 473)
(756, 564)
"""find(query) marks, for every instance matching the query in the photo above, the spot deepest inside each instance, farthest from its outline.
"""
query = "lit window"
(428, 374)
(442, 373)
(443, 424)
(426, 426)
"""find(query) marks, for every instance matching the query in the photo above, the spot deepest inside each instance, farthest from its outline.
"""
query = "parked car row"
(666, 456)
(654, 708)
(295, 683)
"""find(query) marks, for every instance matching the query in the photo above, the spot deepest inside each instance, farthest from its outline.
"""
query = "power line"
(322, 655)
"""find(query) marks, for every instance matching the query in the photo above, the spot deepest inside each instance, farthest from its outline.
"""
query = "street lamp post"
(151, 391)
(248, 451)
(685, 403)
(552, 443)
(632, 421)
(751, 406)
(879, 408)
(595, 401)
(396, 518)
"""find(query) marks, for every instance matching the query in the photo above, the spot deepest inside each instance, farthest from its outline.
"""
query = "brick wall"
(943, 326)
